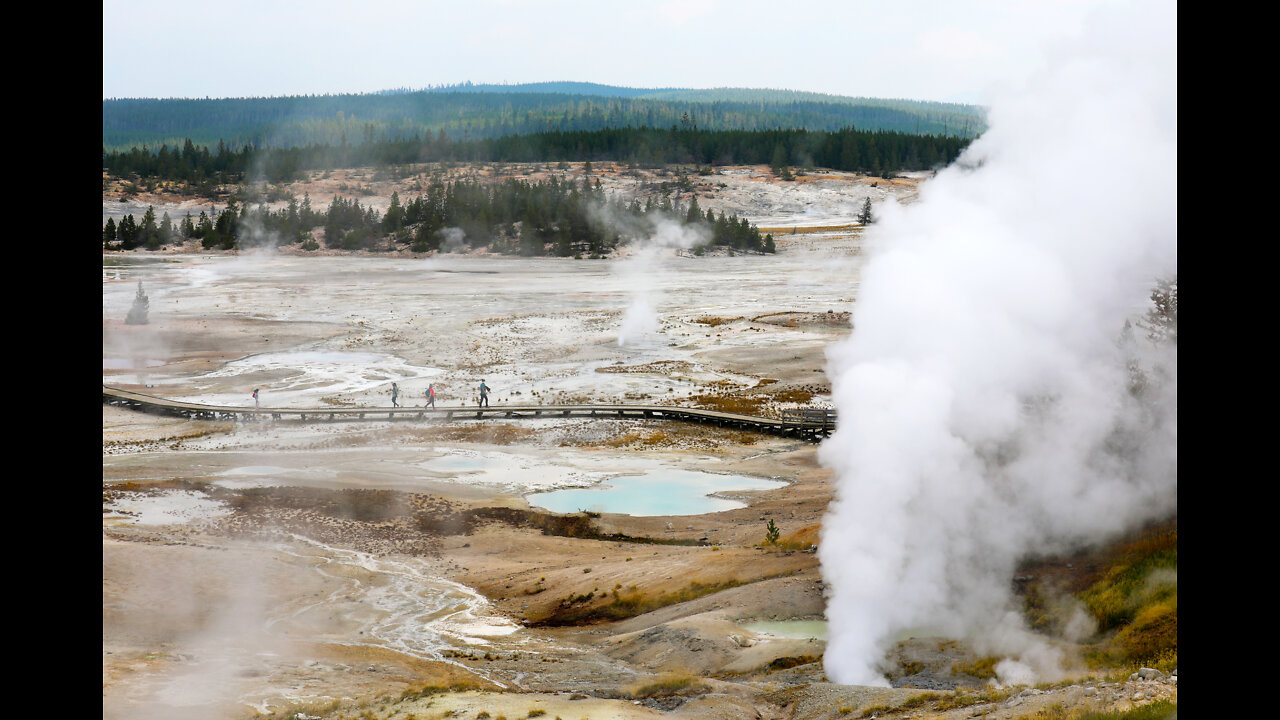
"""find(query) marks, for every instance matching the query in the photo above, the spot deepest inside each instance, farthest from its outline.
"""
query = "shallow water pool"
(792, 629)
(660, 492)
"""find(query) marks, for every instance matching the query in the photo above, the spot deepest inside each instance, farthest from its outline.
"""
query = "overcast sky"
(953, 51)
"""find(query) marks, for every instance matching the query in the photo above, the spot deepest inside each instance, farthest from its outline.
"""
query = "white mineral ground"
(214, 610)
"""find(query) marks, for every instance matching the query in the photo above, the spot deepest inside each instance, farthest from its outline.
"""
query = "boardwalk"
(810, 425)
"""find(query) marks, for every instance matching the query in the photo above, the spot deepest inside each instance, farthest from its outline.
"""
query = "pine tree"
(779, 160)
(148, 231)
(226, 227)
(772, 532)
(779, 163)
(109, 234)
(865, 217)
(141, 305)
(204, 226)
(394, 219)
(127, 232)
(167, 231)
(694, 215)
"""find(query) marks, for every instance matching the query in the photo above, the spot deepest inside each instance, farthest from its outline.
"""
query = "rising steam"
(986, 397)
(654, 241)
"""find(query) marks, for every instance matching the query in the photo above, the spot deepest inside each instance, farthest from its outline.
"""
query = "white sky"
(929, 50)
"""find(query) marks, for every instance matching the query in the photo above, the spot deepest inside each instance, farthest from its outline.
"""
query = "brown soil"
(838, 320)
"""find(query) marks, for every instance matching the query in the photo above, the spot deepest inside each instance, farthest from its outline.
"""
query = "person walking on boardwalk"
(431, 395)
(395, 395)
(255, 399)
(484, 394)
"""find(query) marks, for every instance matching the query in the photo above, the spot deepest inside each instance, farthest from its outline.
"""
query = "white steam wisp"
(640, 270)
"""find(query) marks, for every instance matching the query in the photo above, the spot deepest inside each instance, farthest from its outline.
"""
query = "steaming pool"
(659, 492)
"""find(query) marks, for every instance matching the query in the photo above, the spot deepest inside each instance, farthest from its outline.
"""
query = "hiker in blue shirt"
(484, 394)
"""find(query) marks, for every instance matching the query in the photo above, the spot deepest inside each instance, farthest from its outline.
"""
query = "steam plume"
(452, 239)
(986, 406)
(641, 267)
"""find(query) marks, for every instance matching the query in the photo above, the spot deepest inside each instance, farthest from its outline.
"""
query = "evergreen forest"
(555, 218)
(477, 112)
(874, 152)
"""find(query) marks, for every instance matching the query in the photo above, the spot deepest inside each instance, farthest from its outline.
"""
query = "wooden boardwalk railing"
(810, 427)
(813, 416)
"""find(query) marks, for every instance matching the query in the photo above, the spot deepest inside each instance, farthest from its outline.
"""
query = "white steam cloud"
(254, 235)
(985, 396)
(452, 240)
(640, 269)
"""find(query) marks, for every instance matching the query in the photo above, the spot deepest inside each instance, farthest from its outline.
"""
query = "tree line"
(561, 218)
(494, 111)
(874, 152)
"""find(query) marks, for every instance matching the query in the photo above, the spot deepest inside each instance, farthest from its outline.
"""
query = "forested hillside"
(477, 112)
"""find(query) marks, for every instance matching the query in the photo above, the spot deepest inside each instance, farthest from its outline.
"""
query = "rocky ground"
(339, 572)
